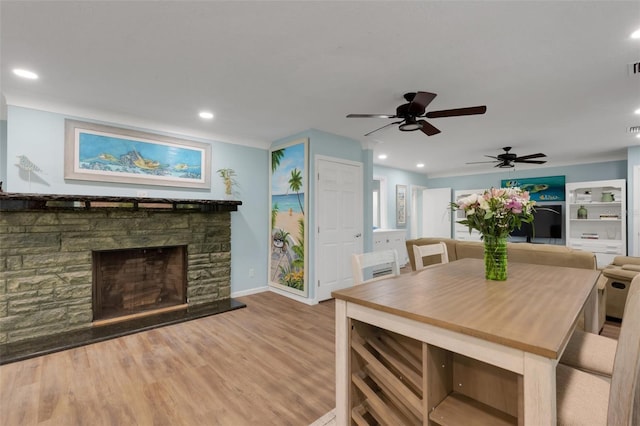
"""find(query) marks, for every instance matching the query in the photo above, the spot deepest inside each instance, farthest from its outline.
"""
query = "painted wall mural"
(289, 183)
(549, 188)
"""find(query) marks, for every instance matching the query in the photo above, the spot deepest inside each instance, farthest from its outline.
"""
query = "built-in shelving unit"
(596, 218)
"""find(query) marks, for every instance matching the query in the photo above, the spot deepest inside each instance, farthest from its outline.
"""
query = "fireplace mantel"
(18, 201)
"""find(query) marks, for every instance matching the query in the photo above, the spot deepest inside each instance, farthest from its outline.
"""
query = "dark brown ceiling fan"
(508, 159)
(411, 113)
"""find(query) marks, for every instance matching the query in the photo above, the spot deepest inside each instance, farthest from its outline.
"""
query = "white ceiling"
(554, 75)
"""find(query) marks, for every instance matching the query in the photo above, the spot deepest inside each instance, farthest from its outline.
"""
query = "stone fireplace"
(49, 244)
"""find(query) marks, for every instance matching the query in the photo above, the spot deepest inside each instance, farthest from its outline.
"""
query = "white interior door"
(339, 223)
(436, 214)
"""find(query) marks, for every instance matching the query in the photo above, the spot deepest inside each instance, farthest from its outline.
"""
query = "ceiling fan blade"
(483, 162)
(491, 156)
(457, 111)
(530, 156)
(371, 116)
(380, 128)
(519, 160)
(420, 101)
(428, 129)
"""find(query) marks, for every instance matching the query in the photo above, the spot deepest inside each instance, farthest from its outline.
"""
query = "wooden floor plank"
(269, 363)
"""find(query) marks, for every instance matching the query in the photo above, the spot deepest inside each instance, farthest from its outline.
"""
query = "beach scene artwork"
(110, 154)
(549, 188)
(132, 157)
(288, 191)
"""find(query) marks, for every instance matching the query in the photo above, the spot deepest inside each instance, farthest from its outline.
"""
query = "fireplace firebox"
(138, 280)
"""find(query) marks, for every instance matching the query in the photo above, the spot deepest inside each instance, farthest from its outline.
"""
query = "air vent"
(634, 129)
(634, 68)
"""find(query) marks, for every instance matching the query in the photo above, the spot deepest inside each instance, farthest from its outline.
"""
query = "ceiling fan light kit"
(410, 126)
(415, 108)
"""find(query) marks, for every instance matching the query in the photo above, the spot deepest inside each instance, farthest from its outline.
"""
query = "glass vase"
(495, 258)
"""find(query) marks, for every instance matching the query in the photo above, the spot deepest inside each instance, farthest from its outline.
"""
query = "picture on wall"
(110, 154)
(550, 188)
(401, 205)
(289, 184)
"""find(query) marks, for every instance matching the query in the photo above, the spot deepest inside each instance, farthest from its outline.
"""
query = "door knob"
(358, 235)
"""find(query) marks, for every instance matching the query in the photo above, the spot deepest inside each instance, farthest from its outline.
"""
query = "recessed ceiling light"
(206, 115)
(638, 136)
(635, 34)
(25, 74)
(420, 165)
(637, 111)
(382, 156)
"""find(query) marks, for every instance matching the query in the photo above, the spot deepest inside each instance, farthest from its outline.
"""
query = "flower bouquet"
(495, 214)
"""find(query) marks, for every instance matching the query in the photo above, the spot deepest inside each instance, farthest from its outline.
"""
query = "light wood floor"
(271, 363)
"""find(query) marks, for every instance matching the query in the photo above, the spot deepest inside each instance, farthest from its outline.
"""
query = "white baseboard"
(250, 291)
(300, 299)
(257, 290)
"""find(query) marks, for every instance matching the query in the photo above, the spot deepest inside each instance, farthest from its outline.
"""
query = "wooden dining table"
(519, 326)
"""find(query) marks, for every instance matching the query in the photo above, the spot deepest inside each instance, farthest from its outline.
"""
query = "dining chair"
(429, 250)
(591, 352)
(591, 399)
(378, 264)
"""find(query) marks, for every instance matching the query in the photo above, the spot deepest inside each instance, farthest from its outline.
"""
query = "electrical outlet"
(251, 272)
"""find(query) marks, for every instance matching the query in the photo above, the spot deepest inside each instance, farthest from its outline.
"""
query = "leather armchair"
(619, 275)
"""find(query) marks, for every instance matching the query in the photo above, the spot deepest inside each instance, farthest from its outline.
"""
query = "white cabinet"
(596, 218)
(461, 232)
(386, 239)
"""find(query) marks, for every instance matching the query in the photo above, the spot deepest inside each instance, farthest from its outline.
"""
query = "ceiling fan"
(508, 159)
(410, 113)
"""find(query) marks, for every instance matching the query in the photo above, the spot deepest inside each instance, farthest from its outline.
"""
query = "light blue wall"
(39, 135)
(578, 173)
(328, 145)
(399, 177)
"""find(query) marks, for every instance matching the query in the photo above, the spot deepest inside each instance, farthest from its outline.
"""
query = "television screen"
(547, 221)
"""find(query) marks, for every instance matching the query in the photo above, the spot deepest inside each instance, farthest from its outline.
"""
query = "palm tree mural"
(287, 261)
(295, 183)
(276, 156)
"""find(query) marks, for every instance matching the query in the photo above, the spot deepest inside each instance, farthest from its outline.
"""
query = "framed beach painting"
(401, 205)
(102, 153)
(288, 231)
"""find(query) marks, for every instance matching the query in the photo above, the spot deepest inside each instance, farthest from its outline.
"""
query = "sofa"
(539, 254)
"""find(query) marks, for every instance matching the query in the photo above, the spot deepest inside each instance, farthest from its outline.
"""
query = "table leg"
(343, 379)
(539, 390)
(591, 322)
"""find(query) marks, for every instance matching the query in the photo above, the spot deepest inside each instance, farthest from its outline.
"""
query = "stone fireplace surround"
(46, 244)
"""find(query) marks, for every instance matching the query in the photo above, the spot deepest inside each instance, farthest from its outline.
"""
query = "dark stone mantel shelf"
(16, 201)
